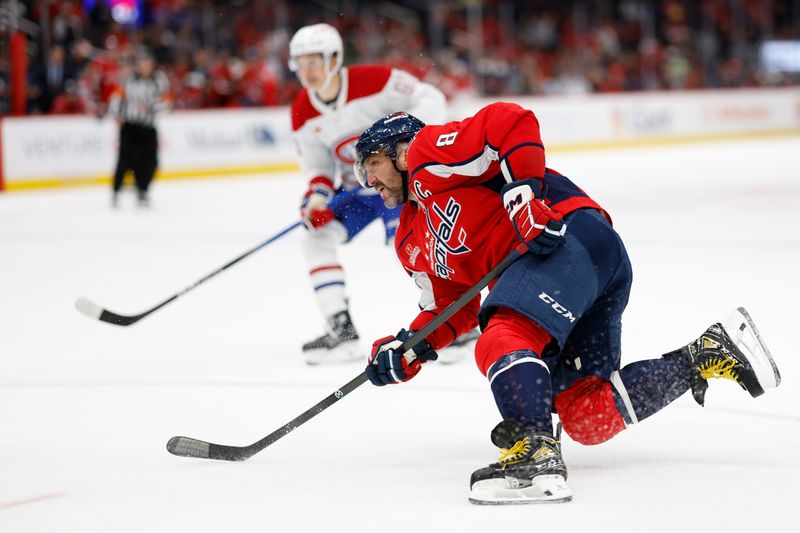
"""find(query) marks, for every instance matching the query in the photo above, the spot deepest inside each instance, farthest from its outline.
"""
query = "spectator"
(67, 24)
(5, 88)
(69, 102)
(48, 81)
(238, 53)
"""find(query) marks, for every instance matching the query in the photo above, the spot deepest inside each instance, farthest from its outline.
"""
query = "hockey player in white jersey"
(336, 105)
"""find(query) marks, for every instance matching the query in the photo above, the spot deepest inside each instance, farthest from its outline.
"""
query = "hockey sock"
(325, 272)
(520, 382)
(648, 386)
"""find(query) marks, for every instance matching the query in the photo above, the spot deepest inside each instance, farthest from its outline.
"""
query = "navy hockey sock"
(522, 390)
(653, 384)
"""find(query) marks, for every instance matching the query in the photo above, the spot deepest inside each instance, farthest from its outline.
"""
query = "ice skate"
(143, 199)
(733, 350)
(338, 345)
(530, 469)
(461, 348)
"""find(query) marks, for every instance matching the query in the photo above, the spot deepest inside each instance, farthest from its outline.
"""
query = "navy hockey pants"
(577, 294)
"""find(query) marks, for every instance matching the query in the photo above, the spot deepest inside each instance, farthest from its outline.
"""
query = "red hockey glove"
(387, 365)
(537, 226)
(314, 208)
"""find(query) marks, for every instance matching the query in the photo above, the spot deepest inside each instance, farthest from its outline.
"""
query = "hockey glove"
(387, 365)
(314, 208)
(537, 226)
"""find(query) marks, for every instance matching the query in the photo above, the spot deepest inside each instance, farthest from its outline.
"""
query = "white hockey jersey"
(326, 134)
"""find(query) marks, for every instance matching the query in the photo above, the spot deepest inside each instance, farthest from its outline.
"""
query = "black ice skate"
(530, 469)
(338, 345)
(732, 350)
(143, 199)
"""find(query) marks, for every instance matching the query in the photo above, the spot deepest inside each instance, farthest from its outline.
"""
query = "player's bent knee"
(506, 332)
(485, 356)
(587, 411)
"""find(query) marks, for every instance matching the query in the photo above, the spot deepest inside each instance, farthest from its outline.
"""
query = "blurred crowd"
(233, 54)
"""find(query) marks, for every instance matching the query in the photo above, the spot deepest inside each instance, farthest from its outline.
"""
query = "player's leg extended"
(596, 400)
(593, 409)
(340, 341)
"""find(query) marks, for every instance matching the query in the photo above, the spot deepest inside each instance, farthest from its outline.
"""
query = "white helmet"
(317, 39)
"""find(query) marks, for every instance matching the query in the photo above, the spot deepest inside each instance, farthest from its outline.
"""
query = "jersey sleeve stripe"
(452, 330)
(430, 163)
(473, 166)
(505, 168)
(517, 147)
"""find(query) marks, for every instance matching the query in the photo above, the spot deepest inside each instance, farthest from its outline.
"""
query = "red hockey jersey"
(458, 229)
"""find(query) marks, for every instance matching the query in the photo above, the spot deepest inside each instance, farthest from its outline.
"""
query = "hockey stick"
(189, 447)
(92, 310)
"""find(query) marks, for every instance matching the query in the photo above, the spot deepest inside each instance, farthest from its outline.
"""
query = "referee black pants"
(138, 151)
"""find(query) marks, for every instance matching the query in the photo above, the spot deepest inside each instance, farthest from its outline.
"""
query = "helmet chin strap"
(329, 74)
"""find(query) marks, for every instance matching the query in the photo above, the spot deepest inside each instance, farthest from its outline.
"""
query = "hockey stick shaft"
(189, 447)
(93, 310)
(462, 300)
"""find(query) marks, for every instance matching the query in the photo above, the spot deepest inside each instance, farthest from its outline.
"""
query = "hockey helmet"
(382, 137)
(317, 39)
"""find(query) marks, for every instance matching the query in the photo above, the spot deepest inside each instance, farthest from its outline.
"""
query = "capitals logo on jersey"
(443, 239)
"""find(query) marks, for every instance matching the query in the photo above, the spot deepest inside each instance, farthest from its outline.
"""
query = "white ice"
(86, 408)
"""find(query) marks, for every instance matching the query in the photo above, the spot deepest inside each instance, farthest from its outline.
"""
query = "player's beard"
(391, 197)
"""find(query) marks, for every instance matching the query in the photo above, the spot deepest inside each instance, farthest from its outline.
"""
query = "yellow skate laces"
(515, 454)
(721, 366)
(521, 451)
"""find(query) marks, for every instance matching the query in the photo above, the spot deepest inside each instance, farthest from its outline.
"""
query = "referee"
(134, 105)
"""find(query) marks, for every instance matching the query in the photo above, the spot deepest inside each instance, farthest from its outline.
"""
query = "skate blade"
(346, 352)
(544, 489)
(744, 334)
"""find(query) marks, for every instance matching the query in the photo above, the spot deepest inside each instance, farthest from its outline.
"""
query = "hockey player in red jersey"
(338, 103)
(551, 323)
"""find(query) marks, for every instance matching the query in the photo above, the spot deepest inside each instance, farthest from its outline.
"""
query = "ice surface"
(86, 408)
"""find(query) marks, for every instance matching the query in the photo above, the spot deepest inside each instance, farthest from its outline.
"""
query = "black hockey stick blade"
(189, 447)
(92, 310)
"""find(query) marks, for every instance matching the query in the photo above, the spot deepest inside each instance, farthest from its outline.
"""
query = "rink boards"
(48, 151)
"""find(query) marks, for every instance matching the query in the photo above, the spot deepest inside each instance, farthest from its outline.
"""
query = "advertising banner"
(52, 150)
